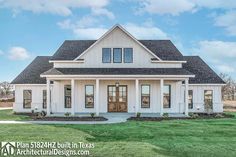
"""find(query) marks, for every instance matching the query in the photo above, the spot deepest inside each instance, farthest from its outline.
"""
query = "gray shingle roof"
(31, 74)
(71, 49)
(195, 65)
(203, 73)
(117, 71)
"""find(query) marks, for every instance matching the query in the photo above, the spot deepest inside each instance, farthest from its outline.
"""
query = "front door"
(117, 98)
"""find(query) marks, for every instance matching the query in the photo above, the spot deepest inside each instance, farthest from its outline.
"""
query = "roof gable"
(123, 30)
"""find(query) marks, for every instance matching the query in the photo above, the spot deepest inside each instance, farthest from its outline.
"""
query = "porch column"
(48, 98)
(161, 96)
(72, 97)
(186, 97)
(97, 97)
(136, 95)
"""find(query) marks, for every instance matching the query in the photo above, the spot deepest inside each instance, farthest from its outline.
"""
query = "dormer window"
(117, 55)
(106, 55)
(128, 55)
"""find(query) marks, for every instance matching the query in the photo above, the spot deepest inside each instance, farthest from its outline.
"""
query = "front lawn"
(8, 115)
(212, 137)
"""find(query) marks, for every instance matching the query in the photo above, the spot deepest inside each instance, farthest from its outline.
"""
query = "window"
(208, 99)
(128, 55)
(190, 99)
(117, 55)
(106, 55)
(89, 96)
(167, 96)
(145, 96)
(27, 98)
(67, 89)
(44, 98)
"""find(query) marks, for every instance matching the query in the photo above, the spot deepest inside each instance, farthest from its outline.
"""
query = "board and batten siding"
(177, 96)
(198, 97)
(117, 39)
(37, 97)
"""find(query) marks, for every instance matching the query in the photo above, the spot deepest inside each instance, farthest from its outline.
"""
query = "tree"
(228, 90)
(5, 88)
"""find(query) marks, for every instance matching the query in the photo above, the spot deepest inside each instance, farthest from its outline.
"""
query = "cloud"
(219, 54)
(145, 32)
(1, 52)
(225, 68)
(58, 7)
(84, 29)
(173, 7)
(18, 53)
(218, 48)
(102, 11)
(227, 21)
(176, 7)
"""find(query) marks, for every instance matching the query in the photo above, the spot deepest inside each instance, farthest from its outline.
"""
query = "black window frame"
(44, 99)
(124, 58)
(211, 98)
(149, 96)
(190, 103)
(114, 55)
(104, 55)
(67, 97)
(24, 99)
(169, 102)
(86, 103)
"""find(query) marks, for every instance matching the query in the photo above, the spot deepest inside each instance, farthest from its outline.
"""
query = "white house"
(118, 73)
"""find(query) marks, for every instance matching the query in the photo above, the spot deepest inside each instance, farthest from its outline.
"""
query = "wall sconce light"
(117, 84)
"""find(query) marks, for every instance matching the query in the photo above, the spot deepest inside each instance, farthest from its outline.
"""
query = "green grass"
(212, 137)
(8, 115)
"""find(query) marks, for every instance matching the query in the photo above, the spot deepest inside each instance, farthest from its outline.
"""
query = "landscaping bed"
(192, 116)
(69, 119)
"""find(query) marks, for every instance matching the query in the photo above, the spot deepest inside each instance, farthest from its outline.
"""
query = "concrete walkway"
(5, 108)
(112, 118)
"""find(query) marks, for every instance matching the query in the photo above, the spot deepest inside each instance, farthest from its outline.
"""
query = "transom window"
(128, 55)
(106, 55)
(167, 96)
(89, 96)
(145, 96)
(117, 55)
(27, 98)
(44, 98)
(67, 89)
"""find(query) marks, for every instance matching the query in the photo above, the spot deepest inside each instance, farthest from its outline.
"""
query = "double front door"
(117, 98)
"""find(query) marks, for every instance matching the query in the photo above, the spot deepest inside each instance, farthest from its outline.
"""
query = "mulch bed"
(70, 119)
(62, 118)
(200, 116)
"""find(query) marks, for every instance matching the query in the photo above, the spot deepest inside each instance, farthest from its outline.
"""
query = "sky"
(30, 28)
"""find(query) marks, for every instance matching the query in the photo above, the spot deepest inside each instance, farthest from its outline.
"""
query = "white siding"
(177, 96)
(117, 39)
(198, 97)
(37, 97)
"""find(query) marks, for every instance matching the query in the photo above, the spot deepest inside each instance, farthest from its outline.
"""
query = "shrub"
(43, 113)
(138, 114)
(67, 114)
(165, 115)
(219, 115)
(194, 115)
(92, 115)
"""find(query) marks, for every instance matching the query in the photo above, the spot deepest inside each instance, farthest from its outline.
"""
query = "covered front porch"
(122, 95)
